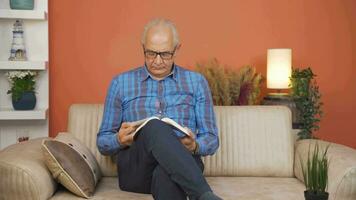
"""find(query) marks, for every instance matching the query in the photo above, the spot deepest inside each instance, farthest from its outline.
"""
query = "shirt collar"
(145, 74)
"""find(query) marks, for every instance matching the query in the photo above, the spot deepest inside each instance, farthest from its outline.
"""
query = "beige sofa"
(258, 159)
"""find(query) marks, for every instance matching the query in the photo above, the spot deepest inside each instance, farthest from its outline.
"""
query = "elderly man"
(160, 160)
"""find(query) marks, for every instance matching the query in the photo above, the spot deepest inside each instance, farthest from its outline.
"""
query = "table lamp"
(279, 70)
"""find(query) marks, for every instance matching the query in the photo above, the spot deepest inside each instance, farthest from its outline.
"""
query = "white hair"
(164, 22)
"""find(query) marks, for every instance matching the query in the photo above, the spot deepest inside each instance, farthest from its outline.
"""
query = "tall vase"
(26, 102)
(22, 4)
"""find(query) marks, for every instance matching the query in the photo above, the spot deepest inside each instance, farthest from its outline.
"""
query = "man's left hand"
(189, 142)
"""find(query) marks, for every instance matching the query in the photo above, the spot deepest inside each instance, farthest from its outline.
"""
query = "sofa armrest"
(342, 168)
(23, 172)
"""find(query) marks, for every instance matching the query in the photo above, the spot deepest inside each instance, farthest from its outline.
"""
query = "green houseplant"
(315, 174)
(231, 87)
(306, 95)
(22, 89)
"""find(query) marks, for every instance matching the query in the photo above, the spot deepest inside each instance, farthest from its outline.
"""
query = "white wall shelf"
(23, 65)
(35, 123)
(23, 14)
(10, 114)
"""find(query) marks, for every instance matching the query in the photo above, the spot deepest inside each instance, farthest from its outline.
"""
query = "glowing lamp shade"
(279, 68)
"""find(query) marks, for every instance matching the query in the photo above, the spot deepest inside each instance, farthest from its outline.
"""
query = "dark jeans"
(159, 164)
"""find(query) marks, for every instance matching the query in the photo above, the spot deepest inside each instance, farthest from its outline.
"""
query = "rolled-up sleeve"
(112, 117)
(207, 137)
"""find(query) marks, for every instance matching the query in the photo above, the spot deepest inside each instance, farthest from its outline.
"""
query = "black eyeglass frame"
(171, 53)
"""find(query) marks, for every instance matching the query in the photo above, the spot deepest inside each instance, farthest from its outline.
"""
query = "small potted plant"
(22, 89)
(315, 174)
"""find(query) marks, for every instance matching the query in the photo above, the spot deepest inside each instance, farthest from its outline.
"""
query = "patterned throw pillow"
(72, 164)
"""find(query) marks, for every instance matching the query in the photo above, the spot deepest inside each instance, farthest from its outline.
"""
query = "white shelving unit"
(10, 114)
(33, 123)
(23, 14)
(23, 65)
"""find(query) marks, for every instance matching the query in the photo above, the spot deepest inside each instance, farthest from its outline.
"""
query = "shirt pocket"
(182, 98)
(180, 106)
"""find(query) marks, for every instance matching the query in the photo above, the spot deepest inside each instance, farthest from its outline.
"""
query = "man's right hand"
(124, 135)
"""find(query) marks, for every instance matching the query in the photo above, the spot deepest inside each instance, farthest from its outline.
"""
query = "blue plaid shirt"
(183, 96)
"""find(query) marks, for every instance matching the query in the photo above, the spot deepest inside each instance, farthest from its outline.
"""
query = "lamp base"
(283, 99)
(277, 94)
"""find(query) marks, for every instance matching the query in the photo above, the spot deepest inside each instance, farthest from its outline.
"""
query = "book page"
(176, 126)
(141, 123)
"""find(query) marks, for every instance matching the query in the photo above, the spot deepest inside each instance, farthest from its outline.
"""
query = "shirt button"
(157, 104)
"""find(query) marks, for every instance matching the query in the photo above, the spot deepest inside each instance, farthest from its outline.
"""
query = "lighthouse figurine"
(18, 51)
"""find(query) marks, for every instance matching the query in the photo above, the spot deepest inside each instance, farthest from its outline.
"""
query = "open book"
(141, 123)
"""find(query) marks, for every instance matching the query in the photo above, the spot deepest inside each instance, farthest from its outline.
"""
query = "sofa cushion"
(72, 164)
(254, 141)
(23, 173)
(257, 188)
(229, 188)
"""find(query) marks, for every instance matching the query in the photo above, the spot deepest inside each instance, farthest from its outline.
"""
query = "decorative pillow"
(71, 164)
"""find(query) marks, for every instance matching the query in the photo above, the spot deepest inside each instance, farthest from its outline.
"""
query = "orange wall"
(92, 40)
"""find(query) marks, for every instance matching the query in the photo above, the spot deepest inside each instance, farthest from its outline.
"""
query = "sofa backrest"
(84, 121)
(254, 140)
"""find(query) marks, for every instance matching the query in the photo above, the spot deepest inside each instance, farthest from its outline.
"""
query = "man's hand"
(124, 135)
(189, 141)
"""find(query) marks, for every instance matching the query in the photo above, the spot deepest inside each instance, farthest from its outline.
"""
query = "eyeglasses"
(165, 55)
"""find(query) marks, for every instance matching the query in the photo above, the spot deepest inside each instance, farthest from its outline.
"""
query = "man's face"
(159, 51)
